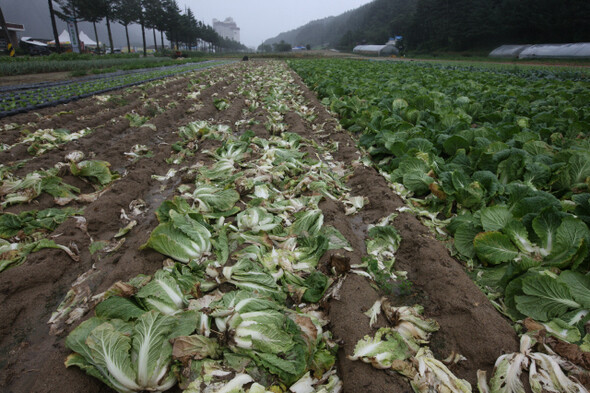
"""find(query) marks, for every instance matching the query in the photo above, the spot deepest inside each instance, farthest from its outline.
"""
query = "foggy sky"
(259, 20)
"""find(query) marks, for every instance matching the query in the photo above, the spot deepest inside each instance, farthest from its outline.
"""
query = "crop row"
(13, 102)
(246, 239)
(31, 65)
(498, 162)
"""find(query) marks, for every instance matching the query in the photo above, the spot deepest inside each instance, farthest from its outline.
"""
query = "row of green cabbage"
(498, 162)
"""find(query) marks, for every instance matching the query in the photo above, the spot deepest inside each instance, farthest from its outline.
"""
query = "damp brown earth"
(33, 354)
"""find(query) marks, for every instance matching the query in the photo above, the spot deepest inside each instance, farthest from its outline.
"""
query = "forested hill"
(374, 23)
(450, 24)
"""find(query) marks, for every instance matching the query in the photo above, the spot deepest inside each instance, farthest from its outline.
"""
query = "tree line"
(179, 28)
(449, 25)
(473, 24)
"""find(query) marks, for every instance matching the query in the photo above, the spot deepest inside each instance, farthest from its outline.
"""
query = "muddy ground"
(32, 355)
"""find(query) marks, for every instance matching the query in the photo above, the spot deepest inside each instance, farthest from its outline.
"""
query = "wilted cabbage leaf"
(96, 171)
(381, 350)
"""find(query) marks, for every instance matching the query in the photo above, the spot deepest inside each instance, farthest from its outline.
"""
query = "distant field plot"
(16, 99)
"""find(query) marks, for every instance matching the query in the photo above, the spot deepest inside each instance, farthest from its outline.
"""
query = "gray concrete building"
(227, 28)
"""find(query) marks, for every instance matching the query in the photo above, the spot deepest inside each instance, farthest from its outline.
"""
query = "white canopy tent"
(86, 40)
(64, 38)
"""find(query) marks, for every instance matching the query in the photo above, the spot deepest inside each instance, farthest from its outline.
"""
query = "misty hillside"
(372, 23)
(34, 14)
(445, 25)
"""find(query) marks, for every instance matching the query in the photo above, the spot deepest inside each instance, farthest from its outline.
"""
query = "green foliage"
(183, 237)
(435, 26)
(372, 23)
(97, 171)
(501, 153)
(24, 98)
(13, 254)
(33, 221)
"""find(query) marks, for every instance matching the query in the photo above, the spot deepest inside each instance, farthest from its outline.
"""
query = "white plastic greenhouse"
(376, 50)
(579, 50)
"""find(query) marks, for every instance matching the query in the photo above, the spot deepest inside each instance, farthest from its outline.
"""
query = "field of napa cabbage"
(496, 159)
(221, 231)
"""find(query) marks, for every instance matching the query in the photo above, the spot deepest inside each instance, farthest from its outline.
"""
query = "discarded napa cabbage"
(221, 170)
(129, 356)
(433, 376)
(336, 240)
(180, 237)
(231, 150)
(13, 254)
(97, 171)
(211, 198)
(389, 350)
(195, 347)
(300, 254)
(32, 221)
(136, 120)
(14, 190)
(230, 374)
(125, 230)
(163, 293)
(249, 275)
(383, 242)
(401, 350)
(545, 372)
(43, 140)
(374, 312)
(409, 322)
(283, 342)
(169, 175)
(139, 151)
(200, 129)
(308, 223)
(310, 289)
(257, 219)
(354, 204)
(382, 350)
(166, 292)
(329, 383)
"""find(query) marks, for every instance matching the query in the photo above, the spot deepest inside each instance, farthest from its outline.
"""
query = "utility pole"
(11, 45)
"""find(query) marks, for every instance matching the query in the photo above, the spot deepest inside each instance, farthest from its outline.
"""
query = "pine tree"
(126, 12)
